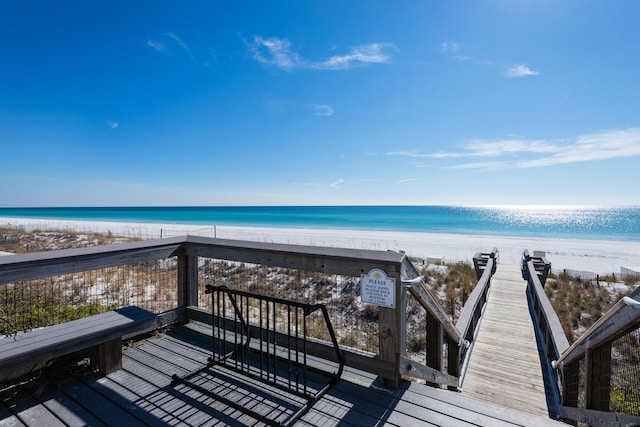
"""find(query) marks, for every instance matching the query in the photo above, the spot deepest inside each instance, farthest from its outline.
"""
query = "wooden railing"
(189, 263)
(485, 265)
(442, 337)
(549, 332)
(596, 380)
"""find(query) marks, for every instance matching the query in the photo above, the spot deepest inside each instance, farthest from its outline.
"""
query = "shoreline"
(594, 256)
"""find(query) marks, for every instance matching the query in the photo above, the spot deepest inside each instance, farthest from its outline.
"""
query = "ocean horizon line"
(566, 221)
(461, 205)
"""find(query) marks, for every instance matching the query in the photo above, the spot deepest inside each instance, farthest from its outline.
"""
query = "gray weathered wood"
(596, 418)
(29, 349)
(617, 321)
(475, 302)
(392, 336)
(504, 367)
(35, 265)
(140, 394)
(351, 262)
(187, 280)
(554, 328)
(431, 375)
(428, 301)
(106, 357)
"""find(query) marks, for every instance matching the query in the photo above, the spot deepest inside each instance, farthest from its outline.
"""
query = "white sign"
(376, 288)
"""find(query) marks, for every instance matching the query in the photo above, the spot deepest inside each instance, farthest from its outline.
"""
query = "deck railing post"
(187, 280)
(434, 343)
(392, 337)
(453, 357)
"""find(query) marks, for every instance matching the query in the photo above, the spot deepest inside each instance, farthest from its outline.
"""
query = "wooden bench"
(102, 333)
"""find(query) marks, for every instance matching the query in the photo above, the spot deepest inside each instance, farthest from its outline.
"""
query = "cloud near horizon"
(278, 52)
(522, 153)
(337, 183)
(334, 184)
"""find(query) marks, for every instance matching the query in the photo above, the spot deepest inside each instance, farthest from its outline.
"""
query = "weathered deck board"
(141, 394)
(504, 367)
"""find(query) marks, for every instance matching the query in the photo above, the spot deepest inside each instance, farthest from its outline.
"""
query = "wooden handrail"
(553, 333)
(617, 321)
(473, 305)
(595, 344)
(428, 301)
(14, 268)
(187, 249)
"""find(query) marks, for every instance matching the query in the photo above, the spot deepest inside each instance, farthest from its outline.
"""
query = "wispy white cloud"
(167, 42)
(523, 153)
(274, 51)
(413, 154)
(609, 144)
(112, 124)
(323, 110)
(403, 180)
(334, 184)
(520, 70)
(449, 47)
(480, 148)
(155, 45)
(452, 49)
(278, 52)
(337, 183)
(373, 53)
(181, 43)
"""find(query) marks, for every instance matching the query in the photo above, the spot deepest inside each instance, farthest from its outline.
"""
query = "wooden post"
(187, 280)
(107, 357)
(434, 343)
(453, 359)
(392, 337)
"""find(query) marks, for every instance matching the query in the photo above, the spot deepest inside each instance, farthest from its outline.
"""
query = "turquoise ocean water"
(622, 223)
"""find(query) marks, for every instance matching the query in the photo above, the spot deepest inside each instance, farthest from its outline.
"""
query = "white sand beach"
(596, 256)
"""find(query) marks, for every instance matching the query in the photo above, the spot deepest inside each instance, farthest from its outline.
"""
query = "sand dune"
(597, 256)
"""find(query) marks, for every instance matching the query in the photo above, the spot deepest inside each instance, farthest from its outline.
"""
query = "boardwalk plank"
(28, 411)
(504, 366)
(200, 408)
(141, 393)
(494, 412)
(69, 411)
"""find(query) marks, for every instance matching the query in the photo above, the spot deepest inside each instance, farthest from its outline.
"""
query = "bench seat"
(102, 333)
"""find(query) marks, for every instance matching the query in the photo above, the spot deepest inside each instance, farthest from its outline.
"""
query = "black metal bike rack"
(265, 340)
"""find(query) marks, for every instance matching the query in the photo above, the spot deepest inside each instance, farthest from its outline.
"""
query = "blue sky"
(319, 102)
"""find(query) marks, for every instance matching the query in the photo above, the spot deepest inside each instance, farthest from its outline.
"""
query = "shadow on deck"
(141, 394)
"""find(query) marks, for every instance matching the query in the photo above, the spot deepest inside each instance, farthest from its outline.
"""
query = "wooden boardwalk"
(141, 394)
(504, 367)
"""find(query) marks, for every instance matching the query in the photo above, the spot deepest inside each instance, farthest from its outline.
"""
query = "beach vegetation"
(17, 240)
(31, 313)
(580, 302)
(452, 284)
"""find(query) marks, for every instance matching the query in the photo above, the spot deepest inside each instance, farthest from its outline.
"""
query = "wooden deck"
(141, 394)
(504, 367)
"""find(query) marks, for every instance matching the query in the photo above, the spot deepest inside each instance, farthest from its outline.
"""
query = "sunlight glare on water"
(561, 219)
